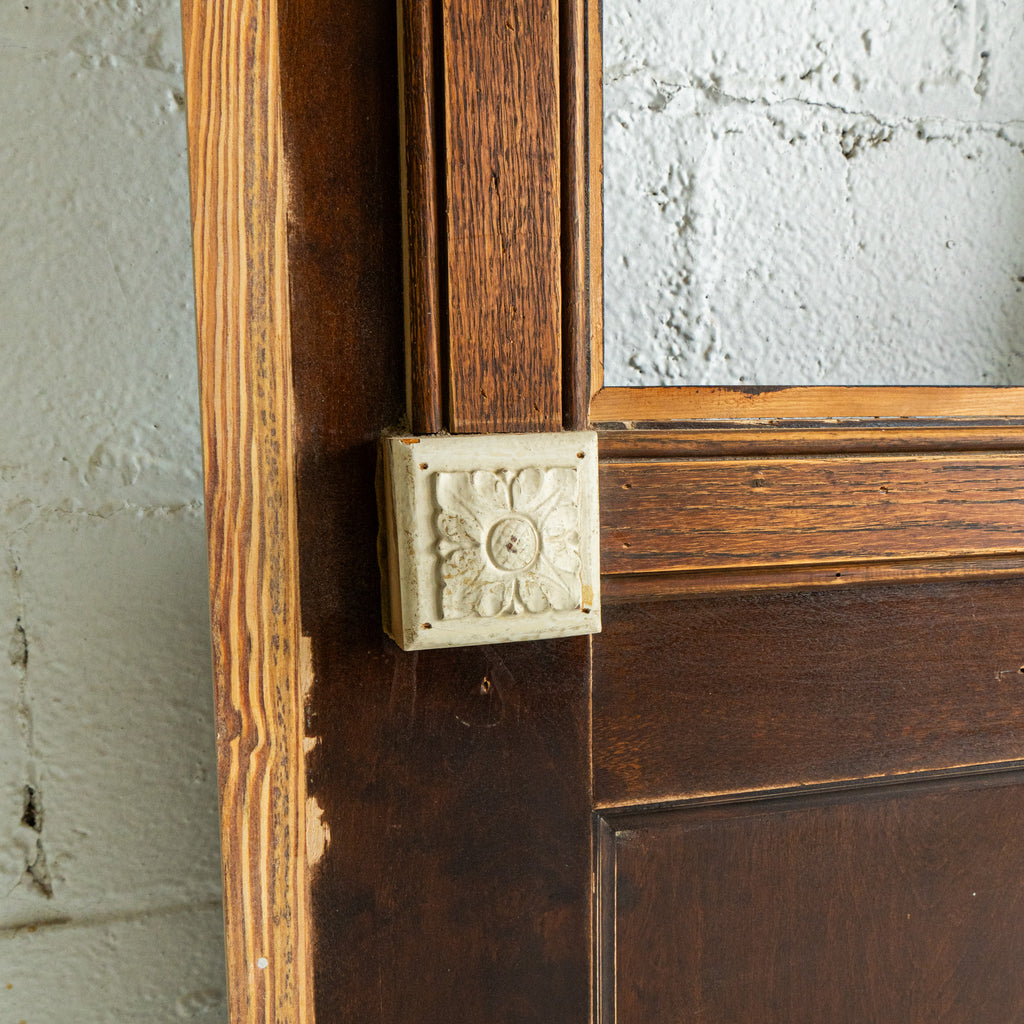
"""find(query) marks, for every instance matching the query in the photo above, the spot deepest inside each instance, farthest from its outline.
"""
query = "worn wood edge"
(604, 910)
(816, 439)
(576, 261)
(595, 142)
(631, 405)
(421, 203)
(630, 588)
(240, 253)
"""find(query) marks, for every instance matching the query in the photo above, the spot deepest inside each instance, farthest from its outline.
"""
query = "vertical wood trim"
(504, 214)
(575, 216)
(595, 112)
(421, 206)
(238, 213)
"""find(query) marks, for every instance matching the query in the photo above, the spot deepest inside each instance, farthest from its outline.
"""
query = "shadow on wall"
(109, 856)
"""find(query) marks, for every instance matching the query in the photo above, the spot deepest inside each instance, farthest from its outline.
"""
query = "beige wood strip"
(648, 405)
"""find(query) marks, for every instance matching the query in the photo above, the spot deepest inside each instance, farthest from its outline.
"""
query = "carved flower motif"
(509, 541)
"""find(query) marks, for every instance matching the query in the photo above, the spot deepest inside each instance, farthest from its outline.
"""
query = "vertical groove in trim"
(240, 253)
(422, 206)
(575, 216)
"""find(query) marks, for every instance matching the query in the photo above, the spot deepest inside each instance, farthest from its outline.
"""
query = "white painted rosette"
(490, 538)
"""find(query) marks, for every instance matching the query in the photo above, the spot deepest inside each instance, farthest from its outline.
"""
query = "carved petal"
(531, 594)
(526, 488)
(461, 530)
(491, 493)
(563, 550)
(461, 574)
(553, 591)
(494, 597)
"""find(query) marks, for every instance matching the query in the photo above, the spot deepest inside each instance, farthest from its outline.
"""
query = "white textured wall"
(814, 191)
(109, 866)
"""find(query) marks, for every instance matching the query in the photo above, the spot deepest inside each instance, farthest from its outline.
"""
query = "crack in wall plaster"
(36, 869)
(711, 90)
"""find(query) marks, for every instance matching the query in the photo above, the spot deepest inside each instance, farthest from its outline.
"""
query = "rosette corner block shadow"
(489, 538)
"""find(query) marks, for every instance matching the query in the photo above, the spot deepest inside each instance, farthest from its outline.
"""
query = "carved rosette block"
(490, 539)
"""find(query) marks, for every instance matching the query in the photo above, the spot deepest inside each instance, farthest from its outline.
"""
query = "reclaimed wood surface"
(649, 405)
(423, 251)
(743, 692)
(898, 903)
(504, 215)
(453, 874)
(728, 513)
(239, 237)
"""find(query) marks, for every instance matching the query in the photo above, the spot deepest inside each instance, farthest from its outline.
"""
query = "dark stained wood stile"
(453, 873)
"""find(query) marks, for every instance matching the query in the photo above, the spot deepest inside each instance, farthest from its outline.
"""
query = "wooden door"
(782, 785)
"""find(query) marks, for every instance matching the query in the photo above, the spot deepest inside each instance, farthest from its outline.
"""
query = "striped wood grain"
(238, 210)
(738, 513)
(652, 405)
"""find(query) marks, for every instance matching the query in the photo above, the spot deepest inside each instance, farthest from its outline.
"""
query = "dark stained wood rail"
(754, 691)
(238, 211)
(703, 515)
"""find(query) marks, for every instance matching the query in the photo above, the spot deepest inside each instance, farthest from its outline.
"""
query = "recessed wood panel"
(743, 692)
(899, 904)
(701, 514)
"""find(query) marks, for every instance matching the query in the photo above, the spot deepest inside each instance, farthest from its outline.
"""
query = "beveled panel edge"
(666, 586)
(611, 816)
(762, 438)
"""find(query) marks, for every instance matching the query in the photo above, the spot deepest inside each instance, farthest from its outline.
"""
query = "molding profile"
(490, 539)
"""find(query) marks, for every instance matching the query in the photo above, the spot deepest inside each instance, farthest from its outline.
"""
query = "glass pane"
(814, 192)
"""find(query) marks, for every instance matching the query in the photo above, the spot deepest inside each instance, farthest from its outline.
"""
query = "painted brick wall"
(109, 865)
(814, 191)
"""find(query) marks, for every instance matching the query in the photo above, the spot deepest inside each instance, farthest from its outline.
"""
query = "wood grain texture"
(895, 904)
(422, 202)
(238, 214)
(504, 215)
(664, 586)
(761, 691)
(454, 785)
(577, 267)
(704, 514)
(650, 405)
(813, 439)
(595, 111)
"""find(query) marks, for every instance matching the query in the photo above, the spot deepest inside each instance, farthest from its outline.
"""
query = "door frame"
(501, 241)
